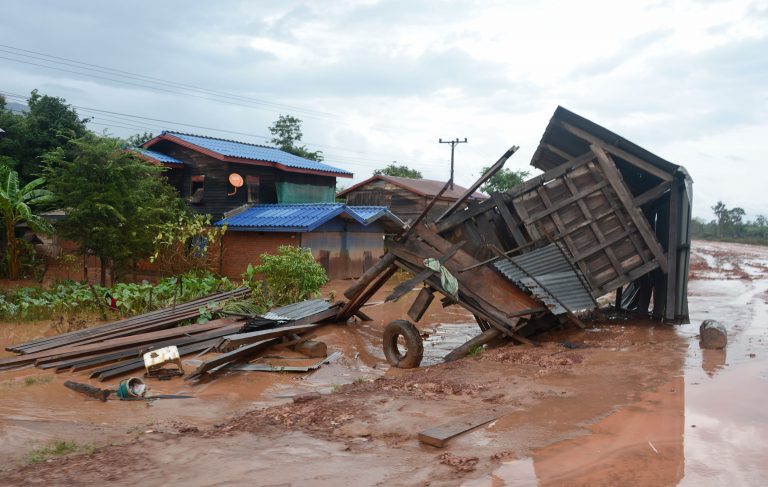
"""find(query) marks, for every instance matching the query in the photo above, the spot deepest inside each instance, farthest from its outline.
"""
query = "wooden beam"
(634, 160)
(485, 177)
(574, 198)
(553, 173)
(509, 219)
(460, 217)
(440, 435)
(425, 211)
(384, 263)
(617, 183)
(653, 194)
(421, 303)
(559, 152)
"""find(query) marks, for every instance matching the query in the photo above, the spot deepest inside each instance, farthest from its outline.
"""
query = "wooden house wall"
(217, 194)
(405, 204)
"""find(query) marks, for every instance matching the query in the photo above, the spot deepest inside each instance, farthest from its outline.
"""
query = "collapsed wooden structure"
(605, 216)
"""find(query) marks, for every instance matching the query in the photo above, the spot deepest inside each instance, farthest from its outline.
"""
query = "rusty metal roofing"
(244, 150)
(301, 217)
(548, 274)
(422, 187)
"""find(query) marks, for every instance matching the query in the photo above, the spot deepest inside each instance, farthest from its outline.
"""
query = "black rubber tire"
(415, 348)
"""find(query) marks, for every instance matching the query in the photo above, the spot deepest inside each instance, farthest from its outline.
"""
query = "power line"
(15, 51)
(123, 119)
(233, 132)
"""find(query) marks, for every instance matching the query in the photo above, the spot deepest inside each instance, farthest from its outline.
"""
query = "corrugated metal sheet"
(242, 150)
(157, 156)
(300, 217)
(558, 281)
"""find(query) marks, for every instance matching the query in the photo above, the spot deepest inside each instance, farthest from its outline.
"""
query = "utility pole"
(453, 146)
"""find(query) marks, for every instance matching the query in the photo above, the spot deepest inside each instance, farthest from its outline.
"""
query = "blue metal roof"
(157, 156)
(300, 217)
(242, 150)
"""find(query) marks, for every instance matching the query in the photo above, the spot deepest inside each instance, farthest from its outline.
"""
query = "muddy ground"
(635, 404)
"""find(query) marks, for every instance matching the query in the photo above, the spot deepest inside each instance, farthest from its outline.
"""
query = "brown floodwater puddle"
(706, 426)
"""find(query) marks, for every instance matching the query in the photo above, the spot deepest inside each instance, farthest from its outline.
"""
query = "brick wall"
(243, 248)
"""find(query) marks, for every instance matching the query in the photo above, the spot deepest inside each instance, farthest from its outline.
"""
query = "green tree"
(116, 203)
(137, 140)
(502, 180)
(286, 135)
(16, 206)
(401, 171)
(48, 124)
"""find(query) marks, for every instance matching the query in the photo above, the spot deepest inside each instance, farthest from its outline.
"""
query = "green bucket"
(131, 388)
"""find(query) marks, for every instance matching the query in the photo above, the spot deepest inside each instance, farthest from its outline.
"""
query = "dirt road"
(634, 404)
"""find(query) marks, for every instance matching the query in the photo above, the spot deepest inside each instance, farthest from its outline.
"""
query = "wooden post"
(369, 275)
(477, 341)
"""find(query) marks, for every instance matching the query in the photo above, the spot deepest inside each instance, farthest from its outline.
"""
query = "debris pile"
(118, 348)
(606, 216)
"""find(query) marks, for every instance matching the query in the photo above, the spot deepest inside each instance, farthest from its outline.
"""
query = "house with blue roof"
(218, 175)
(345, 240)
(266, 198)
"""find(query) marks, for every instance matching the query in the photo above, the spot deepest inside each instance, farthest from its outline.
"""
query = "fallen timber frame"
(582, 206)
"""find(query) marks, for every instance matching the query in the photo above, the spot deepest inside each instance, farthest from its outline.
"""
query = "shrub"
(292, 275)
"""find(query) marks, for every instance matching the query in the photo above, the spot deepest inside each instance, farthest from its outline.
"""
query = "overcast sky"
(377, 81)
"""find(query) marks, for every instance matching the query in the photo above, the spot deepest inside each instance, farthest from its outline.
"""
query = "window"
(196, 189)
(252, 184)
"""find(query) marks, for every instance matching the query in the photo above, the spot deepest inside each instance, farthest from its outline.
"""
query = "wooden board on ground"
(440, 435)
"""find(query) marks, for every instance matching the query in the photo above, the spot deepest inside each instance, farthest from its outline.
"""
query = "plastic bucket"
(131, 388)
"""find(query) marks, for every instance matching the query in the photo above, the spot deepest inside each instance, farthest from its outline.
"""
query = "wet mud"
(634, 403)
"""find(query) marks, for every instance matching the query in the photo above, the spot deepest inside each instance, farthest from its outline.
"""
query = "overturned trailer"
(605, 216)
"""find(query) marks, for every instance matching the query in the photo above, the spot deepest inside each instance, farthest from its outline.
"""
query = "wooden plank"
(124, 367)
(111, 345)
(625, 279)
(617, 182)
(351, 307)
(440, 435)
(509, 219)
(426, 210)
(232, 341)
(235, 355)
(560, 204)
(653, 194)
(460, 217)
(485, 177)
(559, 152)
(596, 230)
(91, 361)
(673, 249)
(421, 303)
(368, 276)
(407, 286)
(553, 173)
(635, 161)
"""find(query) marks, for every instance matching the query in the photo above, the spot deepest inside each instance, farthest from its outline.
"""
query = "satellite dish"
(236, 180)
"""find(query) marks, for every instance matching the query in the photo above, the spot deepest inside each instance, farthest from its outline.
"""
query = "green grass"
(30, 381)
(476, 351)
(57, 449)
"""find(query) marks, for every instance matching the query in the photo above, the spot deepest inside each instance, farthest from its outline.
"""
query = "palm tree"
(16, 207)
